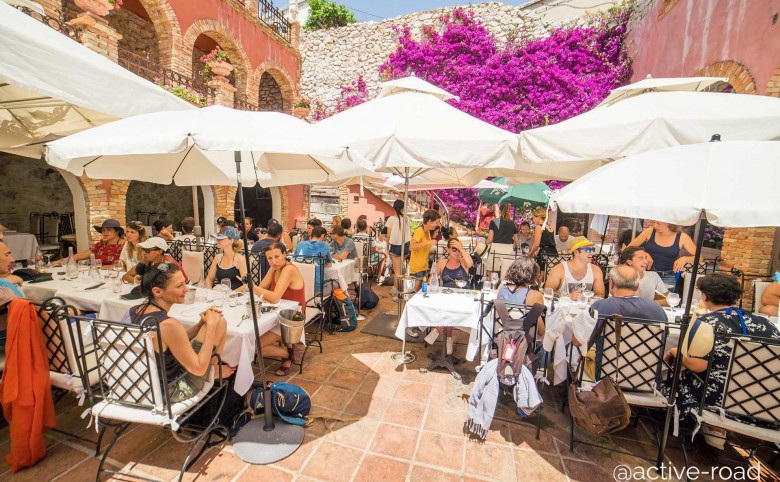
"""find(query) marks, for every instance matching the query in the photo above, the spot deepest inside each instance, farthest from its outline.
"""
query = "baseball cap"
(580, 242)
(154, 243)
(229, 232)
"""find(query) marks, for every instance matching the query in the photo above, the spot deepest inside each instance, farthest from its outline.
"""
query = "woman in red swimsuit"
(282, 281)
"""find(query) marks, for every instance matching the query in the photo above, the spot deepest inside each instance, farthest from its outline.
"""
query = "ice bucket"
(291, 329)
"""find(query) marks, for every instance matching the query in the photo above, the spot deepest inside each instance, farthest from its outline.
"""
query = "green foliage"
(324, 14)
(186, 94)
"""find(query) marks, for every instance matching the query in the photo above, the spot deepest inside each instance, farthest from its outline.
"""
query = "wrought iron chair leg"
(100, 439)
(571, 433)
(118, 431)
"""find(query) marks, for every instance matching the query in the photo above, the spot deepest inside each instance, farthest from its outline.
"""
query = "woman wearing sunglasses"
(572, 277)
(450, 270)
(155, 252)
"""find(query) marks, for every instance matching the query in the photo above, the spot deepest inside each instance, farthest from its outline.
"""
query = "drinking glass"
(495, 278)
(588, 295)
(564, 303)
(233, 299)
(225, 285)
(119, 266)
(47, 262)
(461, 283)
(219, 298)
(672, 299)
(83, 267)
(548, 295)
(98, 264)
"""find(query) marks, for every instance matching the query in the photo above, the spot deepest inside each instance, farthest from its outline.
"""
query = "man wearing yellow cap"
(570, 278)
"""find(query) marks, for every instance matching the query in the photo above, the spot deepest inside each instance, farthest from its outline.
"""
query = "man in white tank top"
(572, 277)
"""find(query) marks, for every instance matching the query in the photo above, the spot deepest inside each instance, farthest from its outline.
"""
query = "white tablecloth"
(458, 309)
(23, 245)
(343, 272)
(240, 343)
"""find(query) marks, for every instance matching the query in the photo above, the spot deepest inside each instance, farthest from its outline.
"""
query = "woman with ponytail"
(398, 235)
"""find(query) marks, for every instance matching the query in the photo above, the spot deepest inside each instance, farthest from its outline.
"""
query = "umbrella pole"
(686, 320)
(603, 236)
(275, 443)
(196, 230)
(403, 356)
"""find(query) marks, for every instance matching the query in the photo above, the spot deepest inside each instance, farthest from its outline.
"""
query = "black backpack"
(515, 343)
(368, 299)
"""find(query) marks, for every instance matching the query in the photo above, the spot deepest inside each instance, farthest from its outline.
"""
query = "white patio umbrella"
(52, 86)
(572, 148)
(191, 148)
(729, 184)
(413, 84)
(414, 134)
(666, 84)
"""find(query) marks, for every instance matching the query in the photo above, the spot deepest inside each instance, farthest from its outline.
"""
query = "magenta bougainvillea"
(525, 83)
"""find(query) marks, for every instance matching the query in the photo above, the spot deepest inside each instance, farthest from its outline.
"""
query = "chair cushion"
(125, 413)
(766, 434)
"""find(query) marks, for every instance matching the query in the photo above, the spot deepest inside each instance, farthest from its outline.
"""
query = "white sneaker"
(449, 345)
(714, 436)
(412, 332)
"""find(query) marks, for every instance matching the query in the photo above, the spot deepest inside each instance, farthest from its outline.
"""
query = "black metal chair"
(315, 301)
(751, 390)
(636, 366)
(132, 388)
(492, 326)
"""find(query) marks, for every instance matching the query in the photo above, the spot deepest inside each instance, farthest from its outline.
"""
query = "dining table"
(23, 246)
(342, 271)
(240, 343)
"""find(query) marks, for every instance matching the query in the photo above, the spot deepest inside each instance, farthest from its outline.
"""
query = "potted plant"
(302, 108)
(98, 7)
(216, 62)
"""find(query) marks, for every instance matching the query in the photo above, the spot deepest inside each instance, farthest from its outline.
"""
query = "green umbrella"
(525, 195)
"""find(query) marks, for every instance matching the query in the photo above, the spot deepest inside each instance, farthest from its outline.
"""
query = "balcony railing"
(243, 104)
(272, 17)
(59, 23)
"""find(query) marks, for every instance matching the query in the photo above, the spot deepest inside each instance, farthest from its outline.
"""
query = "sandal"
(294, 353)
(285, 368)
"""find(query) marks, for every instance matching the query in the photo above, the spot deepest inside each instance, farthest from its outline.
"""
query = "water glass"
(225, 284)
(210, 295)
(672, 299)
(219, 298)
(83, 268)
(548, 295)
(233, 299)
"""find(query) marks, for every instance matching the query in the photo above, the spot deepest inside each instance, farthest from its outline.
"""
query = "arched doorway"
(270, 96)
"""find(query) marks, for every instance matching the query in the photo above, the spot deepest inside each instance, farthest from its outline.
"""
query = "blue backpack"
(289, 402)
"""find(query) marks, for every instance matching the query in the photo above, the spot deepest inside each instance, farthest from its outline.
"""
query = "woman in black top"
(544, 237)
(502, 234)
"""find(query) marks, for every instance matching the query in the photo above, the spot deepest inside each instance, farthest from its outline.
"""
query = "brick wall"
(224, 201)
(25, 188)
(105, 199)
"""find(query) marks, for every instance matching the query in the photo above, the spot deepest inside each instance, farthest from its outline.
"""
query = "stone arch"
(740, 78)
(228, 41)
(167, 27)
(282, 78)
(773, 86)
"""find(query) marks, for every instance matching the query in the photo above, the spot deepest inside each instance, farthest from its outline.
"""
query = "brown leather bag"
(603, 409)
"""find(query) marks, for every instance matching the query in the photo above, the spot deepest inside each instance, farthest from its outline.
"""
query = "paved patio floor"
(402, 425)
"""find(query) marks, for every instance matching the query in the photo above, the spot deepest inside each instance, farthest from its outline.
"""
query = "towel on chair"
(25, 390)
(483, 399)
(525, 392)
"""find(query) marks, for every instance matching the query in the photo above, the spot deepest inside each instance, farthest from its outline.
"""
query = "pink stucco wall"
(295, 204)
(697, 33)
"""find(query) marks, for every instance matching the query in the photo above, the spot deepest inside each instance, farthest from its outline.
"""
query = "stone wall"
(175, 200)
(26, 187)
(138, 35)
(270, 95)
(335, 57)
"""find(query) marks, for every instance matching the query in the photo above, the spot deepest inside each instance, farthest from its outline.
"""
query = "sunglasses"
(454, 249)
(587, 250)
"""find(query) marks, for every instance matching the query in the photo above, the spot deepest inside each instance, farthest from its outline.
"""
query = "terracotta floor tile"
(317, 372)
(59, 458)
(366, 405)
(354, 434)
(138, 443)
(395, 441)
(427, 474)
(298, 458)
(310, 387)
(332, 462)
(530, 465)
(382, 387)
(491, 461)
(524, 438)
(586, 472)
(441, 450)
(445, 421)
(375, 468)
(347, 379)
(264, 472)
(405, 413)
(329, 358)
(332, 398)
(360, 362)
(413, 392)
(215, 465)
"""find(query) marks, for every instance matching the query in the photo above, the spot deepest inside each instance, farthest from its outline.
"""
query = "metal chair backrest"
(127, 363)
(752, 384)
(641, 352)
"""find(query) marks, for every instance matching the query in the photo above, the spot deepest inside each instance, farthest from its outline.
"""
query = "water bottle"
(425, 285)
(72, 268)
(94, 272)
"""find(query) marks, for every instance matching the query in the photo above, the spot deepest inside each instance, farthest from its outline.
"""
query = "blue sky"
(383, 9)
